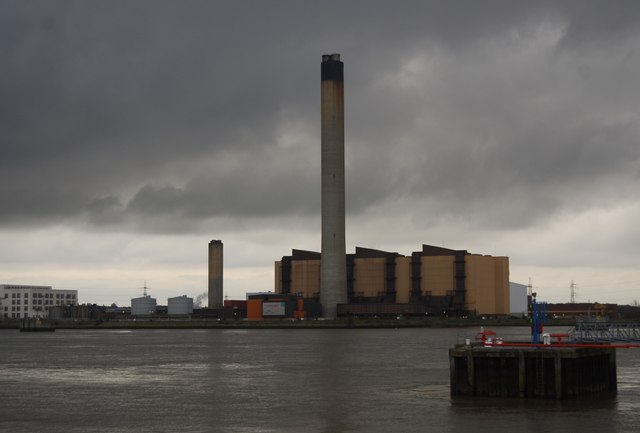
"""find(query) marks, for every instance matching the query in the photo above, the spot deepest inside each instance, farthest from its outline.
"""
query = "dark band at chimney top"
(332, 68)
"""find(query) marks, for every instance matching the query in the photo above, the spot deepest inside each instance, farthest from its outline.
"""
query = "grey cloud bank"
(508, 128)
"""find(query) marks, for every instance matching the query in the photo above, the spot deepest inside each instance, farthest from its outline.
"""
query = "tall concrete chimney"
(333, 267)
(215, 274)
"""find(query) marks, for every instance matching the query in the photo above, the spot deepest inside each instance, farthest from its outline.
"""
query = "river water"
(259, 380)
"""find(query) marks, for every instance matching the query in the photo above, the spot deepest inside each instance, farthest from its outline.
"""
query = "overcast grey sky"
(134, 132)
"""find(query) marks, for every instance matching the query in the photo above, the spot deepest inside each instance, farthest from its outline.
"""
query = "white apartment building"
(18, 301)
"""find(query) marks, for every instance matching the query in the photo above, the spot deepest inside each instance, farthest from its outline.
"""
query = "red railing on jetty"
(489, 339)
(613, 346)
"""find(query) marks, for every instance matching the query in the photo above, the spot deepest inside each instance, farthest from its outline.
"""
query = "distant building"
(434, 280)
(235, 309)
(268, 305)
(143, 306)
(76, 312)
(584, 310)
(180, 306)
(517, 299)
(22, 301)
(117, 313)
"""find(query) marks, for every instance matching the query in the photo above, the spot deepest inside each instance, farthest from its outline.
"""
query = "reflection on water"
(273, 381)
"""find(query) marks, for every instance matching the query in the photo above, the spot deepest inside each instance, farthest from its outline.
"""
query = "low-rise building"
(585, 309)
(23, 301)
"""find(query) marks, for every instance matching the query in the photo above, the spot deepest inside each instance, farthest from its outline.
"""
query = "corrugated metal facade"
(435, 280)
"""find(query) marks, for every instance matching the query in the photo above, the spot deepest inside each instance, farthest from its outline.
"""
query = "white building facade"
(518, 299)
(21, 301)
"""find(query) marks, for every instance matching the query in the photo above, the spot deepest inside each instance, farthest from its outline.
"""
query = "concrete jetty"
(531, 372)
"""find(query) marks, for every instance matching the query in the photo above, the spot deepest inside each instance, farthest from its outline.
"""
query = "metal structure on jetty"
(604, 332)
(562, 365)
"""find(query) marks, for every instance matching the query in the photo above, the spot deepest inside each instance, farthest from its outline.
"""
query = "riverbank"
(161, 323)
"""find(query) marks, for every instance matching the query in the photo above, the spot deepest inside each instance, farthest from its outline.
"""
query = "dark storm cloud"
(120, 113)
(96, 98)
(598, 23)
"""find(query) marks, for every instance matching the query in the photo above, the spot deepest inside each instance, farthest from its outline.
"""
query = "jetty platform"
(531, 371)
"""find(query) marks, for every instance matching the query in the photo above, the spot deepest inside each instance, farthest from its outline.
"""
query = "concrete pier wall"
(536, 372)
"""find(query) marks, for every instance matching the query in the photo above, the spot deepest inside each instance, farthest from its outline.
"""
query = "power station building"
(434, 281)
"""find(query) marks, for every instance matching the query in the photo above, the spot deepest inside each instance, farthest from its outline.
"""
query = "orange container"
(254, 309)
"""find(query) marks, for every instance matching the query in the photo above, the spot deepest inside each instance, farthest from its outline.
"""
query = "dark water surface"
(361, 380)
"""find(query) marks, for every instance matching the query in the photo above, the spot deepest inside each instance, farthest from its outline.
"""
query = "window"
(26, 295)
(26, 315)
